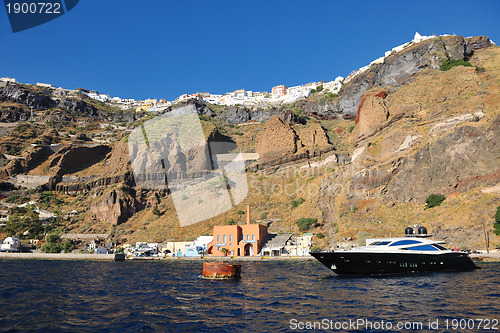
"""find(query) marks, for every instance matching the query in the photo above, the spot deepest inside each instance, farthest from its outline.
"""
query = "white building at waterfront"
(11, 244)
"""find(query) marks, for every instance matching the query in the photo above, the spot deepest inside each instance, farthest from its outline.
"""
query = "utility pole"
(486, 238)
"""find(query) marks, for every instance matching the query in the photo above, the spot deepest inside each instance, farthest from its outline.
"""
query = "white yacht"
(412, 253)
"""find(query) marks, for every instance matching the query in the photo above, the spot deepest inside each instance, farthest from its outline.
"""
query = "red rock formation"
(372, 112)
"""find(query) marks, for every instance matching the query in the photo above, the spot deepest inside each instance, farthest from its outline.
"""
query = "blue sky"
(162, 48)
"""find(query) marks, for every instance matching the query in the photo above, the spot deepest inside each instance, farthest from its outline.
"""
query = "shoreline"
(111, 257)
(482, 257)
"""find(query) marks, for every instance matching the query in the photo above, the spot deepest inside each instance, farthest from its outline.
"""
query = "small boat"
(412, 253)
(119, 257)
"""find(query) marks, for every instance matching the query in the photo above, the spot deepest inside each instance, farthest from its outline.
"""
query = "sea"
(271, 296)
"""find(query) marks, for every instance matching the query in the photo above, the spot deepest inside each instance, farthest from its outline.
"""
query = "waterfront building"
(299, 246)
(239, 240)
(175, 248)
(193, 251)
(11, 244)
(101, 250)
(275, 246)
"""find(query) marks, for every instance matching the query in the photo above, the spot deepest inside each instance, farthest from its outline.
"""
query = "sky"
(162, 48)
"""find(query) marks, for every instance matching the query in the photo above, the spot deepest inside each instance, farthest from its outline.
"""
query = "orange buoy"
(220, 270)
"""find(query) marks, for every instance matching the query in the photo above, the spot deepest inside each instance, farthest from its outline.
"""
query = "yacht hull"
(352, 262)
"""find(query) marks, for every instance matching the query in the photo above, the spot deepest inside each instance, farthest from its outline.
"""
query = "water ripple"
(86, 296)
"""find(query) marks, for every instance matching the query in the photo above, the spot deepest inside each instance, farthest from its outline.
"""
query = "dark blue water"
(170, 295)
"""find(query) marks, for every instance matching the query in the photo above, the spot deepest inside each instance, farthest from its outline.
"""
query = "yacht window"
(442, 248)
(379, 243)
(405, 242)
(425, 247)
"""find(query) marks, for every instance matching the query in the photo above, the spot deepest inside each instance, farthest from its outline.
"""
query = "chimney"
(248, 214)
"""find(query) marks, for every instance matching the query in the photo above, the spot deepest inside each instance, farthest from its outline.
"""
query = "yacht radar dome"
(409, 232)
(422, 231)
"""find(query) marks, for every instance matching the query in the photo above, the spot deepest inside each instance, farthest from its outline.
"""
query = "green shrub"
(205, 117)
(496, 225)
(350, 128)
(297, 202)
(231, 222)
(156, 211)
(447, 64)
(330, 95)
(320, 235)
(304, 223)
(434, 200)
(12, 198)
(53, 244)
(52, 238)
(241, 212)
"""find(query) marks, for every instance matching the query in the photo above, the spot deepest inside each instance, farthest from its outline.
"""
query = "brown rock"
(12, 168)
(115, 207)
(313, 136)
(35, 156)
(372, 112)
(82, 137)
(276, 139)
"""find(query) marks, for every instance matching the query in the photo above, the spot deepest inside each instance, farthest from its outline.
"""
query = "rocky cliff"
(399, 67)
(415, 130)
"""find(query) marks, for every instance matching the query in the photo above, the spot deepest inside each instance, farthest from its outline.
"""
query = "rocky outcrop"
(235, 115)
(32, 158)
(475, 43)
(10, 114)
(240, 114)
(75, 105)
(459, 160)
(115, 206)
(14, 167)
(449, 164)
(291, 118)
(70, 158)
(35, 156)
(322, 109)
(81, 137)
(399, 67)
(313, 136)
(276, 139)
(18, 94)
(372, 112)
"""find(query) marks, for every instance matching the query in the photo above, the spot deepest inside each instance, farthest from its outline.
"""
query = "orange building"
(240, 240)
(279, 90)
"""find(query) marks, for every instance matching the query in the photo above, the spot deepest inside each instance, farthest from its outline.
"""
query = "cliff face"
(399, 67)
(17, 101)
(279, 138)
(418, 130)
